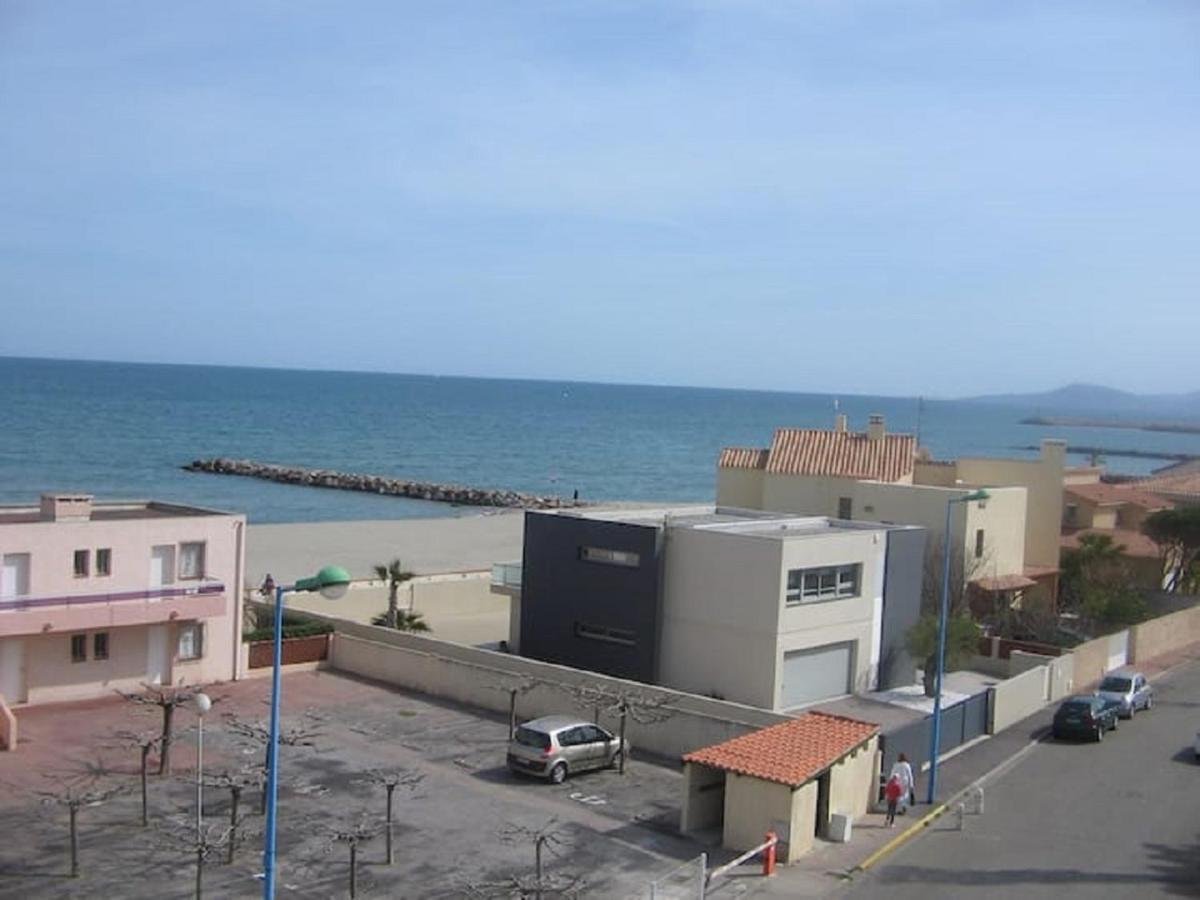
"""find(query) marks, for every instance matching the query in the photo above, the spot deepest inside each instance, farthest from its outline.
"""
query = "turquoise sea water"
(122, 431)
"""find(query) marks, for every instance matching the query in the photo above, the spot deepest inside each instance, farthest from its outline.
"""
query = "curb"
(908, 833)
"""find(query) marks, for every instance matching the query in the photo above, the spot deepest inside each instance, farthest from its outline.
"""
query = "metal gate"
(961, 722)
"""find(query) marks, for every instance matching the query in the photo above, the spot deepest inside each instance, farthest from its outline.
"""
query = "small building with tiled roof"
(789, 779)
(1179, 484)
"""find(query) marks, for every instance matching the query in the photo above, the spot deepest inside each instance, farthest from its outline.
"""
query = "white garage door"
(817, 674)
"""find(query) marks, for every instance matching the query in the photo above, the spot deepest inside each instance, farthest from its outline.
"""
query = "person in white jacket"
(902, 771)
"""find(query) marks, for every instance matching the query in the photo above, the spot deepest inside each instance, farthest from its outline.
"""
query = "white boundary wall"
(484, 678)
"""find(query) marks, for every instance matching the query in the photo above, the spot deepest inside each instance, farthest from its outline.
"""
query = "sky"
(822, 195)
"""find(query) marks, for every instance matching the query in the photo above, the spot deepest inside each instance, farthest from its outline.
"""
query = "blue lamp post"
(936, 738)
(332, 582)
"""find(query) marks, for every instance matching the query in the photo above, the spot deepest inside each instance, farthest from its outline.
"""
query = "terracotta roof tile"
(1116, 494)
(1186, 484)
(843, 454)
(743, 458)
(791, 753)
(1135, 543)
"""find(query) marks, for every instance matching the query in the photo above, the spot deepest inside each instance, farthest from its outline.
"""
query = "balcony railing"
(507, 575)
(160, 593)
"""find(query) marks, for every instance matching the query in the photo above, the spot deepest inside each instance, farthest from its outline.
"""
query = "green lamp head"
(331, 581)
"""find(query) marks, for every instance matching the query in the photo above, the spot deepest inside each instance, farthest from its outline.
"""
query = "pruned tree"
(516, 687)
(353, 834)
(145, 743)
(181, 834)
(549, 839)
(167, 698)
(627, 703)
(76, 794)
(236, 781)
(1177, 534)
(255, 736)
(962, 642)
(394, 574)
(390, 780)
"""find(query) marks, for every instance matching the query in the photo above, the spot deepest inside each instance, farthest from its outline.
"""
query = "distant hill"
(1094, 398)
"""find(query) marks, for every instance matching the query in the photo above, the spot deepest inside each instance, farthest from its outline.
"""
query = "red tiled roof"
(1187, 484)
(1116, 494)
(743, 458)
(1135, 543)
(843, 454)
(998, 583)
(790, 753)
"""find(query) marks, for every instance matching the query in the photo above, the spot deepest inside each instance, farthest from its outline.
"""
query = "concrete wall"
(1060, 681)
(1096, 657)
(1164, 634)
(904, 577)
(1018, 697)
(8, 727)
(483, 678)
(723, 591)
(704, 798)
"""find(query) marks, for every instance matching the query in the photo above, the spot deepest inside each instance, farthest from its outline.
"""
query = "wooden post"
(353, 868)
(74, 810)
(390, 790)
(199, 870)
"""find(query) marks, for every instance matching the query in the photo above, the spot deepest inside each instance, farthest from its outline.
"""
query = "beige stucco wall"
(1002, 517)
(703, 798)
(721, 591)
(753, 807)
(1043, 480)
(1164, 634)
(854, 781)
(742, 488)
(730, 588)
(1018, 697)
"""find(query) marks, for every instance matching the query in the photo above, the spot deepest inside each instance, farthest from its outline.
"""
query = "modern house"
(97, 596)
(1009, 543)
(771, 610)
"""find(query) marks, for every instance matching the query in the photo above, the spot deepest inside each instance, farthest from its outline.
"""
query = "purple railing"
(115, 597)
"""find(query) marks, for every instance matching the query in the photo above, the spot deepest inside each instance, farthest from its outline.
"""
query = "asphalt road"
(1116, 819)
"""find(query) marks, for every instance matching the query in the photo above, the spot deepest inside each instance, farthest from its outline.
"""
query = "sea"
(123, 431)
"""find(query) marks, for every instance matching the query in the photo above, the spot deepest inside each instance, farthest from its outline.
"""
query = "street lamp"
(332, 582)
(203, 705)
(936, 738)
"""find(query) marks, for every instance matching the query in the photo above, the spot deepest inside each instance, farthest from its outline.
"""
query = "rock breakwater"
(379, 484)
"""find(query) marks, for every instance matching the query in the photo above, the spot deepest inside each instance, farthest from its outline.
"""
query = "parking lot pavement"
(467, 827)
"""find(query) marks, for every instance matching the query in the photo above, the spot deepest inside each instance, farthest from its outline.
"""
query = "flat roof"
(109, 511)
(729, 520)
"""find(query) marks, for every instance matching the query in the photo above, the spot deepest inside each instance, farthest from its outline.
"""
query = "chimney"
(875, 429)
(66, 507)
(839, 423)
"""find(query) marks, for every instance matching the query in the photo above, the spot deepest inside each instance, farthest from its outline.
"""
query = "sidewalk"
(821, 873)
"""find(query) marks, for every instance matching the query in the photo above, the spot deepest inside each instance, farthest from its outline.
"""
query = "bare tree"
(515, 688)
(236, 781)
(627, 703)
(145, 742)
(549, 838)
(391, 779)
(167, 698)
(181, 834)
(256, 736)
(352, 834)
(76, 794)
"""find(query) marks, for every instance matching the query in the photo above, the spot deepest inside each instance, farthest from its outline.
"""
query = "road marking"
(590, 799)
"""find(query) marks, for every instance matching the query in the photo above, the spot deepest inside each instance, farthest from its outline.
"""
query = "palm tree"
(395, 575)
(406, 620)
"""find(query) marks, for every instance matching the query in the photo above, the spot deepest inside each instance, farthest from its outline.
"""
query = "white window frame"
(194, 630)
(184, 571)
(822, 584)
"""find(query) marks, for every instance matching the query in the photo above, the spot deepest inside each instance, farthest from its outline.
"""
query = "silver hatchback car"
(1130, 690)
(553, 747)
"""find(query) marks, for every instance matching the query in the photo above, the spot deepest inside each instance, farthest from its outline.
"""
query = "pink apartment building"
(97, 596)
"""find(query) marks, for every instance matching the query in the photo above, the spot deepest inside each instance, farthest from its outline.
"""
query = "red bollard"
(769, 854)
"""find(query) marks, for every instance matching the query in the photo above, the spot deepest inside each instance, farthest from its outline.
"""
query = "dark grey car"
(554, 747)
(1130, 690)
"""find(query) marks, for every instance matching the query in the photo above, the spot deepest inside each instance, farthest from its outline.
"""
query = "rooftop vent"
(875, 427)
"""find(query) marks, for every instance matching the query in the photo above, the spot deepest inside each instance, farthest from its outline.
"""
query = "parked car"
(1085, 717)
(554, 747)
(1130, 689)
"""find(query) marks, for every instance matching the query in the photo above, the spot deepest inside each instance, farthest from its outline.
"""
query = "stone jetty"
(379, 484)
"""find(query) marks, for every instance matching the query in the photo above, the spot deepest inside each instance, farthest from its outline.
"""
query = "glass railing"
(506, 575)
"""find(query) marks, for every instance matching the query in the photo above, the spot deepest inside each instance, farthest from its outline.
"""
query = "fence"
(686, 881)
(961, 722)
(313, 648)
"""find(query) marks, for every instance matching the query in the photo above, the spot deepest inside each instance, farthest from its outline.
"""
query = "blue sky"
(826, 195)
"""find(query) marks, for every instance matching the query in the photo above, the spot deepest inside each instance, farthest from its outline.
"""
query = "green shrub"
(298, 628)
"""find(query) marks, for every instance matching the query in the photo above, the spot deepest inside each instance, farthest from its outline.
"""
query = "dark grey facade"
(591, 594)
(903, 580)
